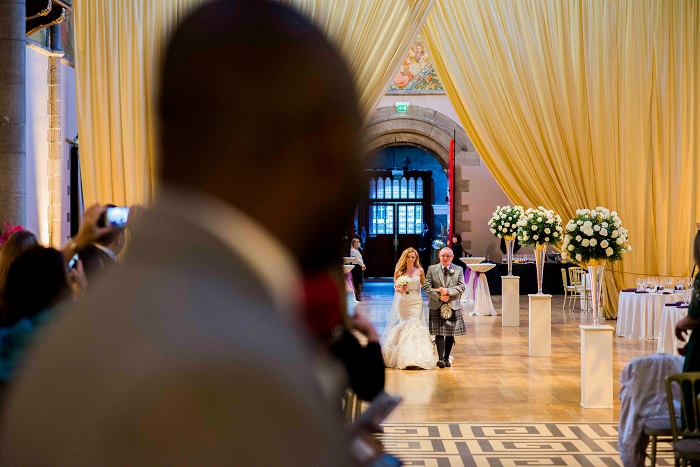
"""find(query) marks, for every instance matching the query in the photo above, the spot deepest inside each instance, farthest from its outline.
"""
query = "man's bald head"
(259, 109)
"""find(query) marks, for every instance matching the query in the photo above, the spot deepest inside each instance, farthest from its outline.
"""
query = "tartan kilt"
(446, 327)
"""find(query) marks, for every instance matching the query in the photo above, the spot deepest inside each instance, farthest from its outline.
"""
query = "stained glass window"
(419, 218)
(411, 219)
(419, 188)
(372, 188)
(387, 188)
(404, 188)
(402, 219)
(396, 189)
(373, 221)
(380, 188)
(390, 219)
(411, 188)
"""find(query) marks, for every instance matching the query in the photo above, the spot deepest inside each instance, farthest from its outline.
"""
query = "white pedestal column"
(596, 367)
(510, 306)
(540, 325)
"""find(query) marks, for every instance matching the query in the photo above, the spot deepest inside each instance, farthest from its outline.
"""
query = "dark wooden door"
(393, 217)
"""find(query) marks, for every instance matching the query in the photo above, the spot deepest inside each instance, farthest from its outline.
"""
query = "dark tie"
(444, 271)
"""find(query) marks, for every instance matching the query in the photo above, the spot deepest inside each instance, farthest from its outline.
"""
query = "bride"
(406, 339)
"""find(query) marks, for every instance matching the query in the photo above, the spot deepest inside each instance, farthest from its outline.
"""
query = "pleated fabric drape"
(119, 44)
(580, 104)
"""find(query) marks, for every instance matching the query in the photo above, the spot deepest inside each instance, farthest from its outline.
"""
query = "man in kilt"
(444, 283)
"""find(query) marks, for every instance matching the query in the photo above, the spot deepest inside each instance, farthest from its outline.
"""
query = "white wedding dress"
(406, 339)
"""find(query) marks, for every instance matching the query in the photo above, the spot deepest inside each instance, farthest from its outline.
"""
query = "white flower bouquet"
(594, 235)
(504, 223)
(401, 281)
(540, 226)
(438, 244)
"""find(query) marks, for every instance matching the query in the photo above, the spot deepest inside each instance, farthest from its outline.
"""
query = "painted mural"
(416, 73)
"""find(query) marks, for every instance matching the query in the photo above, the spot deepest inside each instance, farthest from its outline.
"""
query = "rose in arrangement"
(504, 223)
(540, 226)
(401, 282)
(595, 235)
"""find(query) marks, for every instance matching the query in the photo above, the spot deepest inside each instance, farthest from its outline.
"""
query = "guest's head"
(355, 243)
(17, 243)
(446, 256)
(283, 147)
(408, 259)
(696, 249)
(456, 238)
(36, 281)
(93, 261)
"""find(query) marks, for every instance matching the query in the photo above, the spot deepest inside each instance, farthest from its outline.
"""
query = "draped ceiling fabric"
(583, 104)
(118, 48)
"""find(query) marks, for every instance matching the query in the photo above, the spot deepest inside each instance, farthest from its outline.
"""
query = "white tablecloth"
(639, 314)
(482, 295)
(668, 343)
(468, 295)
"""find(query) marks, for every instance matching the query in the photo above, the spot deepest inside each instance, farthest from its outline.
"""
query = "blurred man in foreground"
(193, 351)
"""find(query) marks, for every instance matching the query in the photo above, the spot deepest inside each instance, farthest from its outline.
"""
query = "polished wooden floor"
(493, 379)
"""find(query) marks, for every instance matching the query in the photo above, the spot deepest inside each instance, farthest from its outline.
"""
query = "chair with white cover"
(644, 413)
(568, 289)
(577, 278)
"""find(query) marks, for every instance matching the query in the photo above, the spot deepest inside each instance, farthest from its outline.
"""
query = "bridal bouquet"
(595, 235)
(539, 226)
(504, 223)
(402, 282)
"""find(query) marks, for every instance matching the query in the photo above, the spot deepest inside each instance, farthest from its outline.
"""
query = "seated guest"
(36, 282)
(17, 243)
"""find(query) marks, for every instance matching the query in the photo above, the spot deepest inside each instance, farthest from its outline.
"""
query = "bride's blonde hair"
(401, 265)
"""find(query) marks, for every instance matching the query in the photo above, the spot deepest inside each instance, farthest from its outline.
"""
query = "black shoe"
(440, 364)
(447, 362)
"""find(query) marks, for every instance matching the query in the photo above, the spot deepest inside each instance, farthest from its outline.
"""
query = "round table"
(639, 313)
(482, 297)
(670, 315)
(470, 278)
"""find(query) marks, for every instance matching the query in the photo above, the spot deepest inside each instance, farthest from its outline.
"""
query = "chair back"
(686, 387)
(576, 276)
(563, 278)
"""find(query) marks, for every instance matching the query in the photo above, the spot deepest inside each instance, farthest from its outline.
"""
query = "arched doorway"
(405, 150)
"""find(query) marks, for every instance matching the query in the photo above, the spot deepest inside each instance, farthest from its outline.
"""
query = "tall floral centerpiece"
(594, 237)
(539, 227)
(504, 224)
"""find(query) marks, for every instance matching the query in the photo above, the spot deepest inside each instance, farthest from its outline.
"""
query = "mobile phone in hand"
(117, 216)
(72, 263)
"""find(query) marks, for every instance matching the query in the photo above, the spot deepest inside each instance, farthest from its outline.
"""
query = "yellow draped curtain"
(118, 47)
(582, 104)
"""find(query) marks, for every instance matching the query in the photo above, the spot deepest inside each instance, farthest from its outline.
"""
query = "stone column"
(54, 140)
(13, 112)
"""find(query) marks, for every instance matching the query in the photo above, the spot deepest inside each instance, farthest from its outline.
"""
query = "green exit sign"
(402, 106)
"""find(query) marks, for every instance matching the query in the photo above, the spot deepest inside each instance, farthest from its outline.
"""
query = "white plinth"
(540, 325)
(510, 307)
(596, 367)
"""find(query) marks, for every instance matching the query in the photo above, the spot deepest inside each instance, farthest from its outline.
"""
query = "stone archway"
(421, 127)
(431, 131)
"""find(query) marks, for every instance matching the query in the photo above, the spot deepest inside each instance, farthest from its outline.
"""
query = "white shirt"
(107, 251)
(358, 257)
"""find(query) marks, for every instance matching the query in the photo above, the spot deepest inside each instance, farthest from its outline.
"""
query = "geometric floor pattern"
(505, 444)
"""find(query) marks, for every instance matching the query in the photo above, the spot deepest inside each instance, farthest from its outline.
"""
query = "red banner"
(451, 184)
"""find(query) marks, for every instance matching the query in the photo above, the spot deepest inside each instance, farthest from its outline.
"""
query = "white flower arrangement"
(438, 244)
(594, 235)
(402, 281)
(504, 223)
(540, 226)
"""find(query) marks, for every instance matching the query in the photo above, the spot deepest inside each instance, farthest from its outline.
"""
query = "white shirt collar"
(261, 251)
(107, 251)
